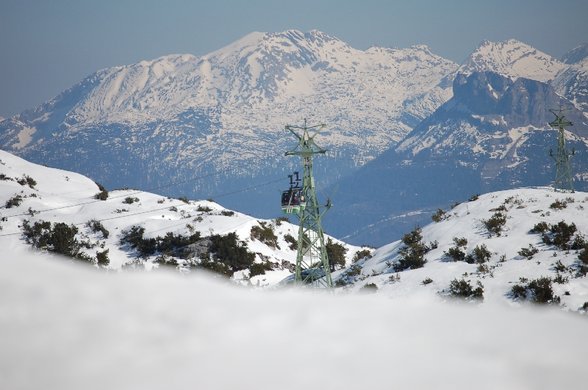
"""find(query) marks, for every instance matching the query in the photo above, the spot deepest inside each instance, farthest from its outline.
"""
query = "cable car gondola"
(293, 199)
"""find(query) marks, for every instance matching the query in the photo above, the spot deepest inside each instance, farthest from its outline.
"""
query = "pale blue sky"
(47, 46)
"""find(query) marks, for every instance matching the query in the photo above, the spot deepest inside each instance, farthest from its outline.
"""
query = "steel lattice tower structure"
(563, 170)
(312, 263)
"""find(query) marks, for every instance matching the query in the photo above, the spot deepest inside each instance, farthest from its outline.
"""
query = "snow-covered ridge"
(512, 58)
(524, 208)
(35, 193)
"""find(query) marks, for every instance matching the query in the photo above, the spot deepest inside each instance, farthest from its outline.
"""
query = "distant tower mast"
(312, 263)
(563, 170)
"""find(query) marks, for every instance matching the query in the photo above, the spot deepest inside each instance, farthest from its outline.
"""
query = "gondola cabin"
(293, 201)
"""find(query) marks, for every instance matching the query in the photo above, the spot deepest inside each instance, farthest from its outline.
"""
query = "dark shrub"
(15, 201)
(369, 287)
(293, 243)
(463, 289)
(560, 235)
(27, 180)
(537, 291)
(479, 255)
(412, 255)
(264, 233)
(558, 205)
(227, 213)
(427, 281)
(362, 254)
(130, 200)
(336, 254)
(528, 252)
(102, 258)
(231, 252)
(96, 226)
(279, 220)
(59, 237)
(540, 227)
(438, 216)
(259, 269)
(495, 223)
(455, 253)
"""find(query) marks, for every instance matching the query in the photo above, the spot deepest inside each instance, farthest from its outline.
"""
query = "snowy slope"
(512, 58)
(524, 208)
(62, 196)
(572, 82)
(77, 328)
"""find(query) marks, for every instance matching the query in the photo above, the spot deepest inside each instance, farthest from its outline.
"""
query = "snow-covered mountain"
(577, 54)
(47, 211)
(537, 233)
(512, 58)
(177, 116)
(488, 136)
(493, 134)
(572, 83)
(130, 228)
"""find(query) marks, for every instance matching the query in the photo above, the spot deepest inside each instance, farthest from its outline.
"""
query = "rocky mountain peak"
(512, 58)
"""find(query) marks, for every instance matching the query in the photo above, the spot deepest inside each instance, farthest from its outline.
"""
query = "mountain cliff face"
(178, 116)
(491, 135)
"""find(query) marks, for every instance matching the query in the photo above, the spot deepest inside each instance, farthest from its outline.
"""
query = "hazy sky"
(47, 46)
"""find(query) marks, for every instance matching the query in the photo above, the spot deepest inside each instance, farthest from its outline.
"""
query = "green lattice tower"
(312, 263)
(563, 170)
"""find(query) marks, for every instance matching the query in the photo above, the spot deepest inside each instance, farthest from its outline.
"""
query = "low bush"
(130, 200)
(479, 255)
(536, 291)
(96, 226)
(103, 194)
(495, 223)
(102, 258)
(361, 254)
(264, 233)
(529, 252)
(462, 288)
(560, 235)
(438, 216)
(15, 201)
(539, 228)
(456, 253)
(293, 243)
(279, 220)
(558, 205)
(58, 237)
(336, 254)
(259, 269)
(369, 287)
(412, 255)
(170, 244)
(27, 180)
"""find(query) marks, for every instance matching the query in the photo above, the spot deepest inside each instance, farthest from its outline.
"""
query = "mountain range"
(224, 113)
(173, 121)
(494, 241)
(493, 134)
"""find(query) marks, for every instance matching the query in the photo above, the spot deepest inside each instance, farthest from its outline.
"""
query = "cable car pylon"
(312, 263)
(564, 181)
